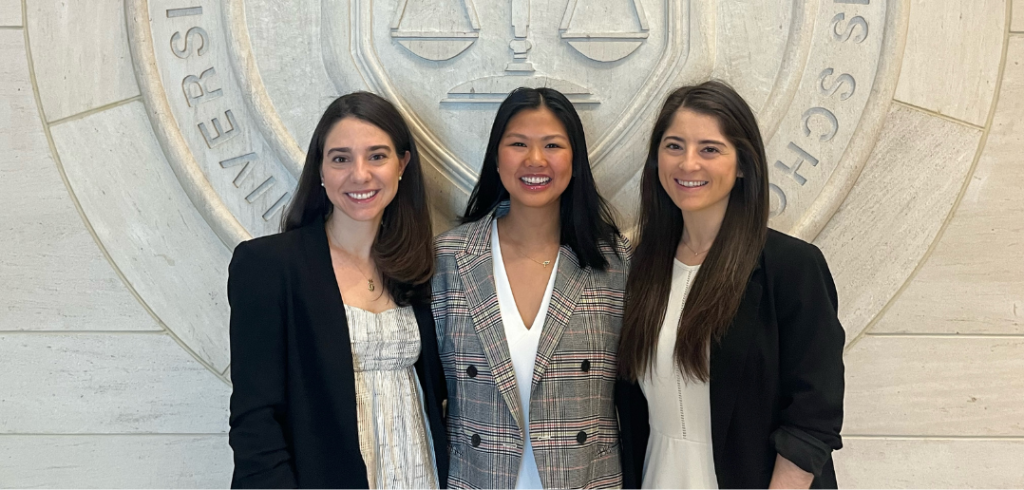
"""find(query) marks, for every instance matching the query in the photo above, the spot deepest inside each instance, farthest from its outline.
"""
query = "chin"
(362, 214)
(690, 205)
(536, 201)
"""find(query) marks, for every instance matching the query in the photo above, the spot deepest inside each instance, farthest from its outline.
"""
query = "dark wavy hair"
(403, 250)
(721, 281)
(585, 218)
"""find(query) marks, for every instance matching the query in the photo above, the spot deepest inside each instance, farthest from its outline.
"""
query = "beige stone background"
(113, 368)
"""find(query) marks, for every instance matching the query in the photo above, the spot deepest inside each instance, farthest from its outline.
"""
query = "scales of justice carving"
(439, 30)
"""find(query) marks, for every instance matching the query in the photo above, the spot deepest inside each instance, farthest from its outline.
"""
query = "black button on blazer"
(776, 376)
(293, 407)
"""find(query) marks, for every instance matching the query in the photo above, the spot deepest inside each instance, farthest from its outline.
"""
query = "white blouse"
(394, 437)
(522, 348)
(679, 453)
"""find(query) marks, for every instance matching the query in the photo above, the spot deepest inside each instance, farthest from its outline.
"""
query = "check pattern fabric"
(573, 424)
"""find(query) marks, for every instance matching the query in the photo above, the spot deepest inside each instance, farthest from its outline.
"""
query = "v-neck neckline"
(503, 285)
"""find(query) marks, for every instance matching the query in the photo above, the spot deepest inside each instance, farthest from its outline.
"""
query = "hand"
(789, 475)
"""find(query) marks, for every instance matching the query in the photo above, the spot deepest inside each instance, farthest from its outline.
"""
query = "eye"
(339, 159)
(517, 143)
(378, 156)
(710, 149)
(552, 145)
(673, 146)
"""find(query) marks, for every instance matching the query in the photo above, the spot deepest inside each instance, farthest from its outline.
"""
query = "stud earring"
(322, 184)
(399, 178)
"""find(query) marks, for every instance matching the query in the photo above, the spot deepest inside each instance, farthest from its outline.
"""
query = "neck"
(526, 224)
(353, 237)
(700, 228)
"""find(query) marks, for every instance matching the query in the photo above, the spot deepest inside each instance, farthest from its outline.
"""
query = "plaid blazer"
(573, 424)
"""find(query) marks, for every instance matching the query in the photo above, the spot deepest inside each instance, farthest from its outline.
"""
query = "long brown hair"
(403, 250)
(721, 281)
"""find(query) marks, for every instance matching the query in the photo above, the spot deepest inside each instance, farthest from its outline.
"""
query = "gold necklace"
(369, 281)
(542, 264)
(694, 252)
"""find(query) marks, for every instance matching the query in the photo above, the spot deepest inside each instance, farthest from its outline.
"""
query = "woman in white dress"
(337, 379)
(730, 331)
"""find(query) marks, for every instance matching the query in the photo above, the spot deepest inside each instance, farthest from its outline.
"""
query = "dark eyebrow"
(349, 150)
(548, 137)
(701, 142)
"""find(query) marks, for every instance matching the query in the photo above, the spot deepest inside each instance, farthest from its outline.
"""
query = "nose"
(535, 157)
(361, 171)
(690, 161)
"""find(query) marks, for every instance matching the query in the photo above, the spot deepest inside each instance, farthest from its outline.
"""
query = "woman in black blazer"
(300, 417)
(737, 381)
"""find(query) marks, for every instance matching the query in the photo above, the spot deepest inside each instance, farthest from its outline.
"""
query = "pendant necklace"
(694, 252)
(542, 264)
(369, 281)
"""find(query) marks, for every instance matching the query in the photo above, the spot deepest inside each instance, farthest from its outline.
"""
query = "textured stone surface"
(115, 461)
(80, 53)
(106, 383)
(764, 24)
(952, 58)
(974, 280)
(10, 13)
(930, 463)
(277, 63)
(891, 216)
(1017, 23)
(158, 240)
(52, 274)
(813, 80)
(935, 386)
(295, 77)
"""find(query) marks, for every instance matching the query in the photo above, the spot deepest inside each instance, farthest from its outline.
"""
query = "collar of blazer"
(476, 271)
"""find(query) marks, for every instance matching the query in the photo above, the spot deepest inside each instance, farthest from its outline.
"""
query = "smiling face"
(535, 158)
(361, 169)
(697, 165)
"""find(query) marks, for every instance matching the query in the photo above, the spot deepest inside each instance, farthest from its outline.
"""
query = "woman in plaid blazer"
(537, 186)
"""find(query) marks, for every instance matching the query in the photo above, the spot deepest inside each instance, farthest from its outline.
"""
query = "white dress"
(679, 451)
(394, 437)
(522, 347)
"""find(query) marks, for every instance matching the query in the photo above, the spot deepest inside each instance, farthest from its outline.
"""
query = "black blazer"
(293, 407)
(776, 376)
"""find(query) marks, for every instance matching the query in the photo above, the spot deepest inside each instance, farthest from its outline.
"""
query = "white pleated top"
(394, 438)
(679, 452)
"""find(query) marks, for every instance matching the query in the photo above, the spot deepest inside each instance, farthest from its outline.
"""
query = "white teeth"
(691, 183)
(359, 196)
(536, 180)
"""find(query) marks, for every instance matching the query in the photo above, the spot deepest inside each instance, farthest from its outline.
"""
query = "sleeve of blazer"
(811, 362)
(258, 373)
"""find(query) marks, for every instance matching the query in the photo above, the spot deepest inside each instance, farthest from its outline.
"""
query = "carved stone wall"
(143, 139)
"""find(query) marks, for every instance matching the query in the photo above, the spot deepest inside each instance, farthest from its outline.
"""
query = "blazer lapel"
(476, 270)
(728, 360)
(329, 332)
(569, 283)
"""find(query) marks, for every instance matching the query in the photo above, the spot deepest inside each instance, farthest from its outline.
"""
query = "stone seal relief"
(234, 88)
